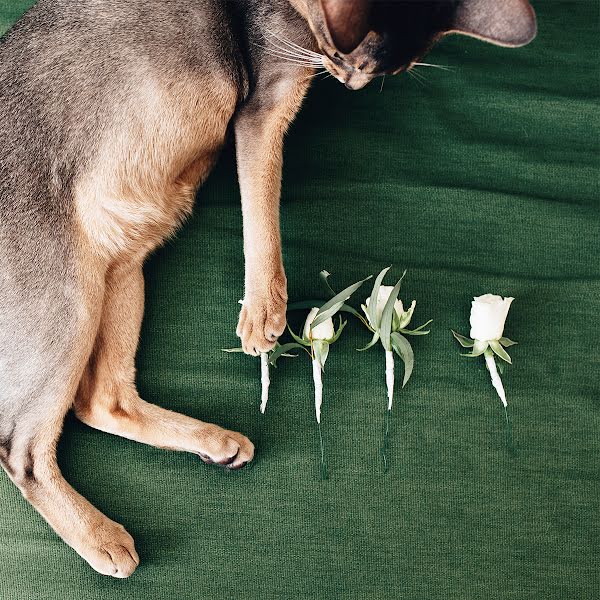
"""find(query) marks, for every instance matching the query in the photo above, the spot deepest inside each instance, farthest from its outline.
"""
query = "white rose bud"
(382, 297)
(323, 331)
(488, 315)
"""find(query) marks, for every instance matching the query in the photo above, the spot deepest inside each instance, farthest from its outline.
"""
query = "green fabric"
(483, 179)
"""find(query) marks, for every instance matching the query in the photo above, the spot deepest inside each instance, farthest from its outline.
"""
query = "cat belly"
(144, 178)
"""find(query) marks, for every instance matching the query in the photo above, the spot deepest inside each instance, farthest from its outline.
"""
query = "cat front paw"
(263, 318)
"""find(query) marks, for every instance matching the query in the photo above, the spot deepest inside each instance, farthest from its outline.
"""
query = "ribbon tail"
(265, 381)
(389, 377)
(317, 378)
(496, 381)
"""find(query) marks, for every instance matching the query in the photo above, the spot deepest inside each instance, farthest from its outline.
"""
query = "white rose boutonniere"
(388, 321)
(488, 316)
(266, 359)
(319, 337)
(318, 334)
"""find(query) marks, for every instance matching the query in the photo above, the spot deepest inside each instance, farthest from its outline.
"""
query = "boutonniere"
(488, 316)
(318, 334)
(266, 360)
(388, 321)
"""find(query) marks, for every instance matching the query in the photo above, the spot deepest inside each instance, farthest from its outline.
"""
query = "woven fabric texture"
(480, 179)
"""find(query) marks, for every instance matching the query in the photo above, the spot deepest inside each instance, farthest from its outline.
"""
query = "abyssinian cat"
(112, 114)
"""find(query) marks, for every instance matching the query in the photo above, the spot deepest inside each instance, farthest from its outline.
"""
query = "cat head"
(361, 39)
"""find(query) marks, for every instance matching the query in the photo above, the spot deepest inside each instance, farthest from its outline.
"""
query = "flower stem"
(324, 474)
(496, 381)
(389, 377)
(386, 440)
(318, 380)
(509, 436)
(265, 381)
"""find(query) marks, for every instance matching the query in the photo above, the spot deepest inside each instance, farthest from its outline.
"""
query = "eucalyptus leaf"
(347, 308)
(500, 351)
(404, 350)
(422, 326)
(465, 342)
(297, 338)
(308, 304)
(339, 331)
(335, 304)
(305, 305)
(506, 342)
(371, 343)
(324, 275)
(419, 330)
(324, 315)
(281, 350)
(372, 308)
(321, 351)
(385, 327)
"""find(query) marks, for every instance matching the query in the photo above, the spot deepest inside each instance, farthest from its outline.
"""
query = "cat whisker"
(415, 78)
(282, 52)
(290, 57)
(295, 61)
(288, 52)
(314, 75)
(295, 47)
(442, 67)
(382, 82)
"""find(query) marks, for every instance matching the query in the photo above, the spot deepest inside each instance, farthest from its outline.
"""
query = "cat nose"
(357, 81)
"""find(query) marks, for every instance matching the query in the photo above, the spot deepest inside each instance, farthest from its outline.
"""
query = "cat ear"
(347, 22)
(508, 23)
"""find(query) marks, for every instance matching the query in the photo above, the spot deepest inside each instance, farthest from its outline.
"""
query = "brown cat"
(111, 115)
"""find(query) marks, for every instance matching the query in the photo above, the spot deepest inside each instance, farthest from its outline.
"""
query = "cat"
(112, 114)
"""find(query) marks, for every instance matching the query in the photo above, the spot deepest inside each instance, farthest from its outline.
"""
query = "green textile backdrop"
(483, 179)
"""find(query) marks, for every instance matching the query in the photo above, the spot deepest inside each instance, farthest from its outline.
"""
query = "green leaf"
(465, 342)
(500, 351)
(335, 304)
(305, 305)
(423, 326)
(339, 331)
(321, 351)
(479, 348)
(404, 350)
(506, 342)
(232, 350)
(347, 308)
(372, 308)
(281, 350)
(385, 327)
(298, 339)
(324, 275)
(308, 304)
(419, 330)
(371, 343)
